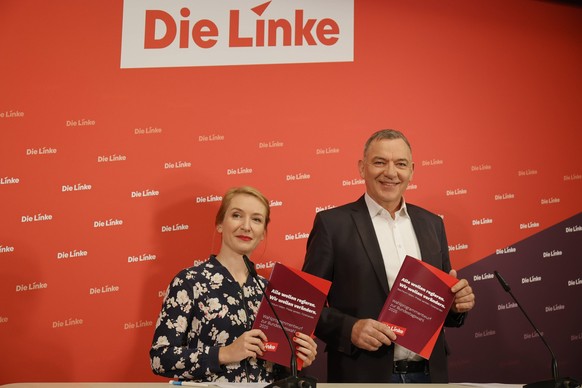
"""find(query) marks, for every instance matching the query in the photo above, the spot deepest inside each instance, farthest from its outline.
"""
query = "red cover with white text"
(418, 304)
(298, 298)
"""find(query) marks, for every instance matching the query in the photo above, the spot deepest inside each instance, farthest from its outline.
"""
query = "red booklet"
(298, 298)
(418, 304)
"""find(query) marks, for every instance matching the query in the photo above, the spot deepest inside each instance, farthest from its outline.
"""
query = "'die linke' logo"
(204, 33)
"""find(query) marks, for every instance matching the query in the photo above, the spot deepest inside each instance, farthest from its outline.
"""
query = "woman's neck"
(235, 265)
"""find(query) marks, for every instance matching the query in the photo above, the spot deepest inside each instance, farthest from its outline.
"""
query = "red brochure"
(298, 298)
(418, 304)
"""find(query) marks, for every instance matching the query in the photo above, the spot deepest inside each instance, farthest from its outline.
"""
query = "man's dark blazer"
(342, 247)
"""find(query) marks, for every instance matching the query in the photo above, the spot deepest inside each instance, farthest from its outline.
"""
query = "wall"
(109, 176)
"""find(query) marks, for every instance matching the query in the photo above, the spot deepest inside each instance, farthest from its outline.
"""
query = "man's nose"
(390, 169)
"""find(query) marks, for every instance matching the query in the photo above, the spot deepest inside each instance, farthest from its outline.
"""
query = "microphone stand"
(292, 381)
(556, 381)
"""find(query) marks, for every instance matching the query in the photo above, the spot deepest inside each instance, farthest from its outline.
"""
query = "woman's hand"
(250, 344)
(306, 348)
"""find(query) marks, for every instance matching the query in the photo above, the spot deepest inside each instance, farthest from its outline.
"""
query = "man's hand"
(369, 334)
(464, 297)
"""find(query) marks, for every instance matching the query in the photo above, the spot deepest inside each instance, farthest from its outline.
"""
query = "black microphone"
(292, 381)
(556, 382)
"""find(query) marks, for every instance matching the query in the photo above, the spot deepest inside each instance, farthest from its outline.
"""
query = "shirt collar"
(375, 209)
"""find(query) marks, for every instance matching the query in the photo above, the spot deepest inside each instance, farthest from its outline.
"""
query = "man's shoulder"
(417, 211)
(342, 209)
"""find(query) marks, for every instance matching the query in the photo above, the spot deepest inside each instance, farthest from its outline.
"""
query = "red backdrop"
(109, 177)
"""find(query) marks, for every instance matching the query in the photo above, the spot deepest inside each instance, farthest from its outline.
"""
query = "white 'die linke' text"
(458, 247)
(484, 333)
(327, 151)
(76, 187)
(271, 144)
(572, 177)
(176, 165)
(456, 192)
(147, 131)
(103, 289)
(432, 162)
(11, 114)
(268, 264)
(239, 171)
(556, 307)
(527, 172)
(549, 201)
(575, 282)
(37, 218)
(322, 208)
(533, 334)
(552, 253)
(31, 286)
(298, 177)
(142, 257)
(353, 182)
(573, 229)
(506, 306)
(9, 180)
(137, 324)
(504, 196)
(207, 138)
(174, 228)
(72, 254)
(531, 279)
(505, 250)
(111, 158)
(529, 225)
(6, 249)
(80, 123)
(209, 198)
(67, 323)
(296, 236)
(481, 167)
(107, 223)
(145, 193)
(482, 221)
(484, 276)
(41, 151)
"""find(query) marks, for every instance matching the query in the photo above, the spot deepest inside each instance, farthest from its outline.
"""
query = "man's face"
(387, 169)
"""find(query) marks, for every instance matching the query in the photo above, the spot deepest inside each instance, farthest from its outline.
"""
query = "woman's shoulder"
(199, 269)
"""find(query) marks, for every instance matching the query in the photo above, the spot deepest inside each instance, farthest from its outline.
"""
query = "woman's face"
(243, 226)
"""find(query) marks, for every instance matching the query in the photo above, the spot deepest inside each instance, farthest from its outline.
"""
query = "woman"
(204, 330)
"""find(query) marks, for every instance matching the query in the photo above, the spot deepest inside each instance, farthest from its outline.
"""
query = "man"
(360, 247)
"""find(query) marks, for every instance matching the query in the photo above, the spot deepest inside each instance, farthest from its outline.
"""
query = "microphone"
(556, 382)
(292, 381)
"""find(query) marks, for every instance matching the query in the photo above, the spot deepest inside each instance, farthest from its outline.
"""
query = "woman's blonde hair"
(248, 190)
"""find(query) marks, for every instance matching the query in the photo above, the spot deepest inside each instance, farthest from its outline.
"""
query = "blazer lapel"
(361, 217)
(421, 229)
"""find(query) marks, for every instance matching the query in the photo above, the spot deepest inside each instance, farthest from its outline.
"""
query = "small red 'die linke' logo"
(398, 330)
(271, 346)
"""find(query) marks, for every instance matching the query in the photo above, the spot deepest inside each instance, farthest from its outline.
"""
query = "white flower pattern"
(205, 309)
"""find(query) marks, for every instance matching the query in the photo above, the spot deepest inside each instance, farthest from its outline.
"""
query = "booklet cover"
(418, 304)
(298, 298)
